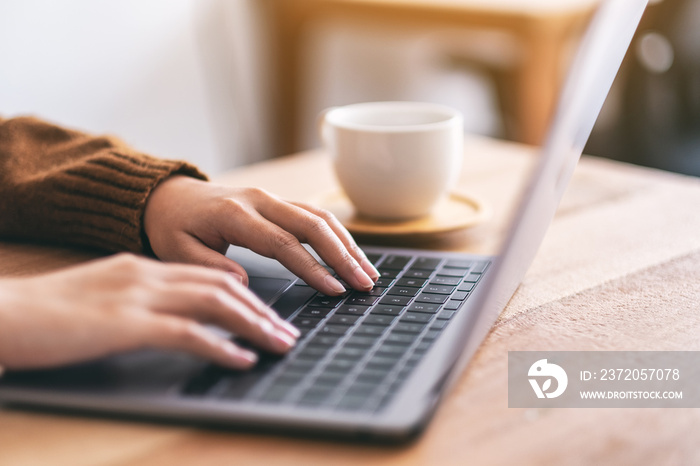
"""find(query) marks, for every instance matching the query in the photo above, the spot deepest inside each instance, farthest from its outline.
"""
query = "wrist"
(164, 203)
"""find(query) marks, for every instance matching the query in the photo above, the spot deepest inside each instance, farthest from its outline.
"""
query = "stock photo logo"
(543, 371)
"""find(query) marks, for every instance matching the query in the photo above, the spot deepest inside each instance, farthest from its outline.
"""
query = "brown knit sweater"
(65, 187)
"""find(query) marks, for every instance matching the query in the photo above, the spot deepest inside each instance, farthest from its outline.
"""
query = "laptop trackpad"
(267, 288)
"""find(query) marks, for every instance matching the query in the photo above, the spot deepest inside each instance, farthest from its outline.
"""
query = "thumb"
(194, 251)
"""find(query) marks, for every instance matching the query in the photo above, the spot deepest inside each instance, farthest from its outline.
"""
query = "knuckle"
(259, 194)
(327, 215)
(316, 225)
(214, 298)
(129, 269)
(347, 258)
(187, 332)
(231, 206)
(284, 241)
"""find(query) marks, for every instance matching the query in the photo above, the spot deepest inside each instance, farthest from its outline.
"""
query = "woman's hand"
(123, 303)
(188, 220)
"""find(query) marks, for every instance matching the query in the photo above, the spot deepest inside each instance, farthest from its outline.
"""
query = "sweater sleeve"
(64, 187)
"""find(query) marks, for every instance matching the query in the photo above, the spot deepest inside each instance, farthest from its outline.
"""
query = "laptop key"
(400, 338)
(403, 291)
(381, 363)
(318, 312)
(376, 291)
(325, 301)
(324, 340)
(384, 282)
(288, 380)
(431, 335)
(362, 389)
(378, 319)
(395, 300)
(472, 277)
(315, 396)
(439, 289)
(352, 309)
(426, 263)
(312, 353)
(329, 379)
(387, 310)
(275, 394)
(351, 353)
(416, 273)
(445, 314)
(439, 324)
(342, 366)
(466, 286)
(411, 282)
(343, 319)
(431, 298)
(372, 376)
(423, 346)
(369, 330)
(449, 272)
(361, 341)
(305, 322)
(390, 351)
(452, 305)
(388, 273)
(394, 262)
(419, 317)
(458, 264)
(299, 366)
(459, 295)
(409, 327)
(424, 307)
(362, 299)
(442, 280)
(351, 403)
(330, 329)
(480, 267)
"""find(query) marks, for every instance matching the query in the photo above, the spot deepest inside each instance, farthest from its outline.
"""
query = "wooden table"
(542, 30)
(618, 270)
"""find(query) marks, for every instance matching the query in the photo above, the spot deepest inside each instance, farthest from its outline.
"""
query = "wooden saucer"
(454, 212)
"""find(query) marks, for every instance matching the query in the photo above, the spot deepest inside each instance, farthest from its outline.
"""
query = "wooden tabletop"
(618, 270)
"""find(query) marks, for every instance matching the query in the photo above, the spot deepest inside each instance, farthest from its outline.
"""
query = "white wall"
(140, 69)
(348, 62)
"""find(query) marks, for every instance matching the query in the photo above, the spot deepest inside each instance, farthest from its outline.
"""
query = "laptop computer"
(370, 365)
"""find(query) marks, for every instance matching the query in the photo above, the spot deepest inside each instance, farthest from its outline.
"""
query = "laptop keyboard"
(357, 349)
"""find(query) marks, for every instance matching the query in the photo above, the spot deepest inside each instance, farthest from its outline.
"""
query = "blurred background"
(224, 83)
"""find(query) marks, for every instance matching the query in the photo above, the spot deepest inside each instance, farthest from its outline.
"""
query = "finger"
(175, 333)
(345, 237)
(211, 304)
(181, 274)
(272, 241)
(198, 253)
(314, 230)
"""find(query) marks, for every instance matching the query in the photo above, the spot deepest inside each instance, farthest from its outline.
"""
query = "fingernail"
(369, 269)
(334, 284)
(288, 327)
(239, 354)
(363, 278)
(281, 341)
(237, 277)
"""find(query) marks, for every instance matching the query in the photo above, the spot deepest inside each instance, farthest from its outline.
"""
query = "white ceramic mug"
(394, 160)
